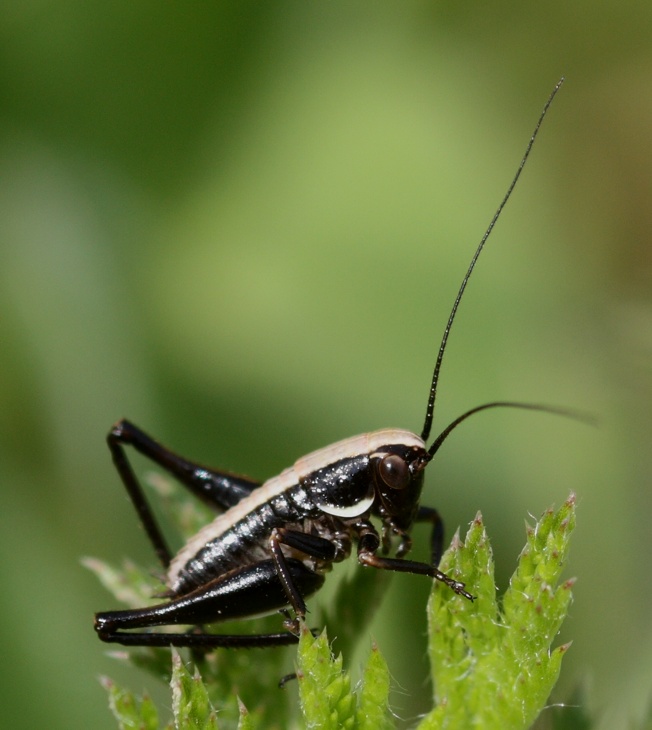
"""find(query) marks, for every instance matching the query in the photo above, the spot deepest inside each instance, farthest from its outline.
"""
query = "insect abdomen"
(240, 542)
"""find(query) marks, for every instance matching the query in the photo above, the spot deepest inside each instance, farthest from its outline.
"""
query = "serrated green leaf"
(245, 721)
(131, 712)
(324, 688)
(191, 705)
(494, 668)
(373, 699)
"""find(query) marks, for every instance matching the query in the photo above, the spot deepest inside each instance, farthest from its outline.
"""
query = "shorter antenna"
(430, 410)
(565, 412)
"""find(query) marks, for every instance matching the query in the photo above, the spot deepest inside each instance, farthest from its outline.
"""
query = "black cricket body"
(271, 544)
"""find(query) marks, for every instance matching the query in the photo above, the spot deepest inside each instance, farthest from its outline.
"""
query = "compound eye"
(394, 471)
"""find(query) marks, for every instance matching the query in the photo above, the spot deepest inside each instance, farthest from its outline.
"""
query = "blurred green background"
(242, 225)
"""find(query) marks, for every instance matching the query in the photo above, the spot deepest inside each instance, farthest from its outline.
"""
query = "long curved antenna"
(430, 410)
(577, 416)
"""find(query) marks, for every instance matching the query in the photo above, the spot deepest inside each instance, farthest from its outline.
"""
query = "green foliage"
(325, 689)
(373, 709)
(191, 705)
(190, 702)
(130, 711)
(493, 665)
